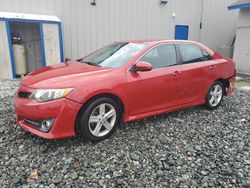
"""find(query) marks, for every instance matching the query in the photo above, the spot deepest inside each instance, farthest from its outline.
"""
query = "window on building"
(161, 56)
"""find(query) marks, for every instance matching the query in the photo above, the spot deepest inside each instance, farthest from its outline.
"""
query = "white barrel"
(19, 59)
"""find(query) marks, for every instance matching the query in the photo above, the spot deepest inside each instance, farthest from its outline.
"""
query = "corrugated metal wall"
(219, 24)
(87, 27)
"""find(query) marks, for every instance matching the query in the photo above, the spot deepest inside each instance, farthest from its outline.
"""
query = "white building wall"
(87, 27)
(242, 43)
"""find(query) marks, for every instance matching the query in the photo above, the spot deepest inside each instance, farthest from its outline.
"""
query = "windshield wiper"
(91, 63)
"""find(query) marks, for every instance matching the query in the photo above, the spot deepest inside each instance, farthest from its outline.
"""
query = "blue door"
(181, 32)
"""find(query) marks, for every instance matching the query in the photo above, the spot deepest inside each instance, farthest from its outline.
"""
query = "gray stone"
(74, 176)
(135, 157)
(195, 148)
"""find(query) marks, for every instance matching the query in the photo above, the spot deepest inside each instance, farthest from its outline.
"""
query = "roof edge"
(28, 17)
(233, 7)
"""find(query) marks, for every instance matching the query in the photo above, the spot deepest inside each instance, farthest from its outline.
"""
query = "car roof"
(150, 41)
(139, 41)
(155, 42)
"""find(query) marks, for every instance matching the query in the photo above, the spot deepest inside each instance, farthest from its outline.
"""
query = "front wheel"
(214, 95)
(99, 119)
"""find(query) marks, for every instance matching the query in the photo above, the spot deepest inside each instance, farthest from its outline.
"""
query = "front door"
(156, 89)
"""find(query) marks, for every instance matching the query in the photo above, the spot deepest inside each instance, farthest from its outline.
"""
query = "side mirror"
(67, 59)
(141, 66)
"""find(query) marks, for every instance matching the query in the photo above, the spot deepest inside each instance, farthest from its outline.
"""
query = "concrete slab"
(243, 83)
(246, 87)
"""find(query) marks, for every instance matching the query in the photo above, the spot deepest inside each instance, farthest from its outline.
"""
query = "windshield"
(114, 55)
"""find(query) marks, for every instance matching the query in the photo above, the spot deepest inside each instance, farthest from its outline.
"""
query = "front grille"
(23, 94)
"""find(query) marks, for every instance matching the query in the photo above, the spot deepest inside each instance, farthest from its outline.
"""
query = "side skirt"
(157, 112)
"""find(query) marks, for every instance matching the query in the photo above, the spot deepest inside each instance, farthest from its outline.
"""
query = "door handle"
(212, 67)
(176, 73)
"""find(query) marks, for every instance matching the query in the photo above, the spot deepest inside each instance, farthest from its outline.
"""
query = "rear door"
(198, 69)
(158, 88)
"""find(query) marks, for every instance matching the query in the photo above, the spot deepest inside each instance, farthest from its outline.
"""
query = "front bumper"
(63, 111)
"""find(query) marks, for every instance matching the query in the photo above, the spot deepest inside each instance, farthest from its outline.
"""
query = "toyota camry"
(123, 81)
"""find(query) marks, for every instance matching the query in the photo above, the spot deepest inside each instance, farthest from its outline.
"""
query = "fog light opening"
(46, 125)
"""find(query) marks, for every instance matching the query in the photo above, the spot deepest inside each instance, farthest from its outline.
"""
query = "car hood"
(61, 75)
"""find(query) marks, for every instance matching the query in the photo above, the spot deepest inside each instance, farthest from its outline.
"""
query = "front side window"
(191, 54)
(114, 55)
(161, 56)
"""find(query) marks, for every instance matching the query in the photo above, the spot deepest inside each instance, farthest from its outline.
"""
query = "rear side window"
(161, 56)
(191, 54)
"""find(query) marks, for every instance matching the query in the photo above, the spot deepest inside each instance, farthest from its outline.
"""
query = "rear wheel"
(99, 119)
(214, 95)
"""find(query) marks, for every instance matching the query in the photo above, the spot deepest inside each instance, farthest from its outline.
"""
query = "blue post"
(42, 45)
(61, 41)
(10, 49)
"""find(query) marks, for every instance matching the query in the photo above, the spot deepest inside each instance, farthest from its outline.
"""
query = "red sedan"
(122, 81)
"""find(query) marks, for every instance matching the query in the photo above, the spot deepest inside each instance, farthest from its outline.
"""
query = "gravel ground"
(189, 148)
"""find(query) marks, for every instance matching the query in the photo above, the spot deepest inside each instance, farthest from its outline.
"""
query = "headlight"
(42, 95)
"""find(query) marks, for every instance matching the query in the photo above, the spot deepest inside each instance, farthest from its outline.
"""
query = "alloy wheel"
(102, 120)
(215, 95)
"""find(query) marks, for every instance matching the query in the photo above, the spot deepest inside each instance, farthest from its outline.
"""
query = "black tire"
(83, 129)
(208, 104)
